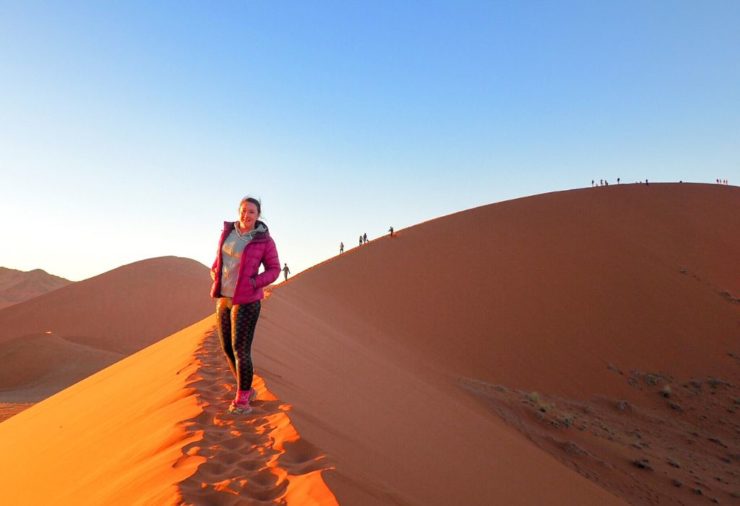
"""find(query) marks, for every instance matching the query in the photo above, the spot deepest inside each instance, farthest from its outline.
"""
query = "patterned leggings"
(236, 324)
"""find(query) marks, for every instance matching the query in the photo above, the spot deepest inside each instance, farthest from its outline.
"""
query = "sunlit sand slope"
(113, 438)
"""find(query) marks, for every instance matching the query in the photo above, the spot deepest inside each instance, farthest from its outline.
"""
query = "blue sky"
(130, 130)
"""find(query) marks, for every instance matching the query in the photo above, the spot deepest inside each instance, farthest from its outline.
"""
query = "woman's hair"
(254, 201)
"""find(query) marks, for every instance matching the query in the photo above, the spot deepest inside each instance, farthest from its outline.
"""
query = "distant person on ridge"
(364, 238)
(360, 240)
(391, 231)
(286, 271)
(238, 287)
(341, 248)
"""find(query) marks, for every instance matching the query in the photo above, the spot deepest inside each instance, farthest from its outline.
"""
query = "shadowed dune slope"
(92, 323)
(17, 286)
(563, 293)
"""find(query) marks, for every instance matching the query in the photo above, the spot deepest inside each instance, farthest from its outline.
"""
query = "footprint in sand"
(250, 459)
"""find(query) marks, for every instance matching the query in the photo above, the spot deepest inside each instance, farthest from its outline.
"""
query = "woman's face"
(248, 215)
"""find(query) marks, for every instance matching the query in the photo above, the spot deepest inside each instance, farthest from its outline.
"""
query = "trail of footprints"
(251, 459)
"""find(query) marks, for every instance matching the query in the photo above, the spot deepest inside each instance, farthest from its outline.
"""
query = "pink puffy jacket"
(260, 250)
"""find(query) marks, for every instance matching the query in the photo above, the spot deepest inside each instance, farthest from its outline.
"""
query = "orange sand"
(112, 438)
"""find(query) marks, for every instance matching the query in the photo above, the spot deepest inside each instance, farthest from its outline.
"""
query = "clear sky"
(130, 130)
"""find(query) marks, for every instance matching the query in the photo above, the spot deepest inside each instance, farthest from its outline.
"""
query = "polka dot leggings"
(236, 324)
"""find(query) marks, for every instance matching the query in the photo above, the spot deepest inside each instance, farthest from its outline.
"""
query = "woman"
(238, 287)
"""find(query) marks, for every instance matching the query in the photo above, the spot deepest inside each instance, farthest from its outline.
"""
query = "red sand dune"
(570, 348)
(18, 286)
(564, 315)
(49, 342)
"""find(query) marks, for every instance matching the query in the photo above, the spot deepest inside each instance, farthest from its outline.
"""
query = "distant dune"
(49, 342)
(577, 347)
(18, 286)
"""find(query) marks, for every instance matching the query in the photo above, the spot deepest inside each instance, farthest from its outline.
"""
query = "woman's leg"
(223, 324)
(243, 322)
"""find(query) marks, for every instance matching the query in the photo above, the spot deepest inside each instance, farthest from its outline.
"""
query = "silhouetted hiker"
(341, 248)
(646, 181)
(238, 287)
(360, 240)
(286, 271)
(618, 180)
(391, 231)
(364, 238)
(601, 182)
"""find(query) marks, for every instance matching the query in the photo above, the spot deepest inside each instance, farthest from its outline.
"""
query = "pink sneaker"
(240, 405)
